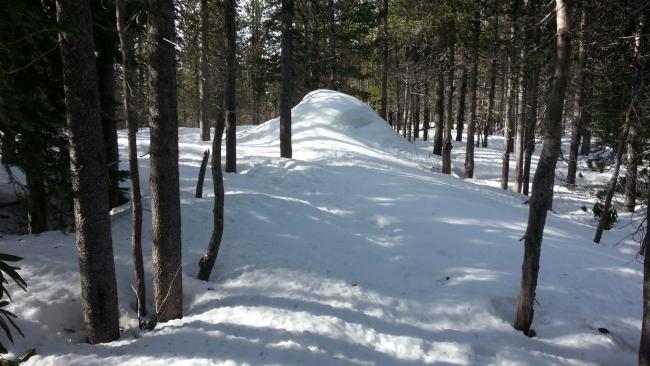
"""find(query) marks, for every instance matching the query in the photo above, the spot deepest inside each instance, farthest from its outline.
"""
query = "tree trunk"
(416, 115)
(287, 79)
(204, 75)
(460, 117)
(230, 15)
(469, 147)
(521, 131)
(542, 198)
(440, 110)
(89, 173)
(206, 263)
(531, 123)
(384, 64)
(633, 160)
(199, 184)
(578, 102)
(493, 78)
(128, 82)
(607, 205)
(165, 200)
(427, 112)
(106, 74)
(451, 64)
(644, 347)
(36, 202)
(585, 145)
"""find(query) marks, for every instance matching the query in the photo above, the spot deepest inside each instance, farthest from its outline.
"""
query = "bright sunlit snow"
(353, 253)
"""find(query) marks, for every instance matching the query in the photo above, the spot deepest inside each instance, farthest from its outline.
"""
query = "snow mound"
(333, 121)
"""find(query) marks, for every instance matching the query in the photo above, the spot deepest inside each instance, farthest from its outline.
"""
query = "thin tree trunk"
(165, 194)
(521, 132)
(287, 79)
(578, 102)
(451, 64)
(416, 115)
(542, 198)
(633, 160)
(206, 263)
(469, 148)
(511, 104)
(128, 82)
(384, 71)
(36, 202)
(204, 75)
(531, 123)
(460, 117)
(89, 173)
(585, 145)
(488, 128)
(607, 204)
(427, 112)
(230, 14)
(644, 347)
(199, 184)
(440, 110)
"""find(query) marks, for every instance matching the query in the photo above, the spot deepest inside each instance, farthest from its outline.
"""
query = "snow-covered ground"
(352, 253)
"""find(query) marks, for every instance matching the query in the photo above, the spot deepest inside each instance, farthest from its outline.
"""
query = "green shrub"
(611, 215)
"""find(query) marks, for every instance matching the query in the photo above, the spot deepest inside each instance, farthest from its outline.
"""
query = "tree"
(204, 75)
(451, 64)
(541, 199)
(384, 63)
(206, 263)
(128, 86)
(476, 31)
(511, 92)
(287, 79)
(644, 347)
(230, 14)
(89, 172)
(165, 195)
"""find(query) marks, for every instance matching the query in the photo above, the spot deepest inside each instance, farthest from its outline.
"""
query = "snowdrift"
(330, 120)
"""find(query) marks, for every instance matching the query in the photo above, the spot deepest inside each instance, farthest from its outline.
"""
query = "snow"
(352, 253)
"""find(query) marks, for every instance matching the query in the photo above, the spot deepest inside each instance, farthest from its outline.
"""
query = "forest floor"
(352, 253)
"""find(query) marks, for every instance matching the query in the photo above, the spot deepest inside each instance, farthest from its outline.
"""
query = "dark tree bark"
(199, 184)
(633, 159)
(460, 117)
(487, 129)
(204, 75)
(521, 131)
(287, 79)
(416, 115)
(542, 198)
(427, 112)
(89, 173)
(230, 14)
(578, 101)
(585, 145)
(451, 64)
(644, 347)
(384, 65)
(36, 202)
(165, 200)
(440, 111)
(531, 123)
(206, 263)
(469, 148)
(128, 87)
(106, 74)
(511, 103)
